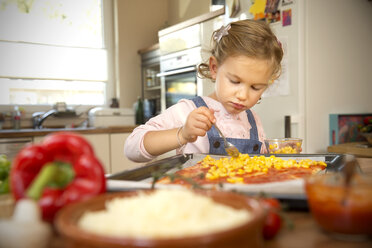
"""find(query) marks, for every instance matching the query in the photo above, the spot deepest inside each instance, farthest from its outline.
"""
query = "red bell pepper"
(66, 159)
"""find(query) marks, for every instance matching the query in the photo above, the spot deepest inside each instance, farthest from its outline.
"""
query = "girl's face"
(240, 81)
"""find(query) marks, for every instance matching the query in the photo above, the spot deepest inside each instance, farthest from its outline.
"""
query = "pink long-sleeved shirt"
(232, 126)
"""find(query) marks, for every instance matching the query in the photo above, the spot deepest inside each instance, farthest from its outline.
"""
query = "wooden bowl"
(249, 234)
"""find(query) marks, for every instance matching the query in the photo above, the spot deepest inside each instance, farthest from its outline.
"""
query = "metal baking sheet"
(141, 178)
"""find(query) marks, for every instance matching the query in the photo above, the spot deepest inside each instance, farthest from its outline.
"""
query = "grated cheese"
(167, 213)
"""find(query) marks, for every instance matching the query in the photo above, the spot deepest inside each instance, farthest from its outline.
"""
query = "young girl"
(245, 59)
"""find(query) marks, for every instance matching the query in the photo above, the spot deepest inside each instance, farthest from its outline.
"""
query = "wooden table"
(305, 234)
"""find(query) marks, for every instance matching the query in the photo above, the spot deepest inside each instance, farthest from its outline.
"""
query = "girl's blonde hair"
(250, 38)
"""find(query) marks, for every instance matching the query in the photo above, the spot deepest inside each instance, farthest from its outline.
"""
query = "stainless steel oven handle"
(174, 72)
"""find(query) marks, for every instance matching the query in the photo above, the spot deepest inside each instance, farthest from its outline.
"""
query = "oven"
(178, 76)
(11, 146)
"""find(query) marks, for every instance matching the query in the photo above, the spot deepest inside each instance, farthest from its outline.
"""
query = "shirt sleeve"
(173, 117)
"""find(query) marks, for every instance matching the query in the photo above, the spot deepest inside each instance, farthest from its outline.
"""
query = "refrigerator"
(326, 64)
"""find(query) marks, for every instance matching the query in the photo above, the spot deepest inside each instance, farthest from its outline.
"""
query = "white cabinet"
(101, 146)
(38, 139)
(119, 162)
(109, 149)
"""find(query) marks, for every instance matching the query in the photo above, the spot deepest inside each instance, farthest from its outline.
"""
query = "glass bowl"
(340, 210)
(284, 145)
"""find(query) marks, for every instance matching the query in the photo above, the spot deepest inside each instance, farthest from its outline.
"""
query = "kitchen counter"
(12, 133)
(359, 149)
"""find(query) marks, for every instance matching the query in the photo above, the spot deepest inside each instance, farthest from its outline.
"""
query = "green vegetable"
(4, 174)
(4, 186)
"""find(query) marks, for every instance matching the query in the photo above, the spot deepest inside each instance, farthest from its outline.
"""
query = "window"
(54, 51)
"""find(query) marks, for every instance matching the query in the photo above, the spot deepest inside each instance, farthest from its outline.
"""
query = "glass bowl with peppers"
(284, 145)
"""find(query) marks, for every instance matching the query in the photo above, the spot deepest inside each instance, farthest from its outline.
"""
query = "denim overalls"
(216, 146)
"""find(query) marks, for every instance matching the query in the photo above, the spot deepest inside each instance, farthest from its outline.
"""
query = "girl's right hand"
(198, 123)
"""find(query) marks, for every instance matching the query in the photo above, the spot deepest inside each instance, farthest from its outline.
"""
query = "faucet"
(39, 117)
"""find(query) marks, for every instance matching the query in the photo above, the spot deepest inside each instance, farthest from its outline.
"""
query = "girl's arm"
(159, 142)
(198, 122)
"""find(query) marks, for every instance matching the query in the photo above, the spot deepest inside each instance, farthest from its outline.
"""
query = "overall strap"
(199, 102)
(253, 131)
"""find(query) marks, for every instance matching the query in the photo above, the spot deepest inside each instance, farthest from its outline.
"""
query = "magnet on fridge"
(287, 17)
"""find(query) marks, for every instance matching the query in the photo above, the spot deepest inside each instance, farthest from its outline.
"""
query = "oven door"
(178, 84)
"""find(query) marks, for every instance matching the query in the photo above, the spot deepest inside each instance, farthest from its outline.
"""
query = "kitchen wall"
(137, 25)
(182, 10)
(338, 59)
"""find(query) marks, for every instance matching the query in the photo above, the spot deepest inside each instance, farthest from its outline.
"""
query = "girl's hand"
(198, 123)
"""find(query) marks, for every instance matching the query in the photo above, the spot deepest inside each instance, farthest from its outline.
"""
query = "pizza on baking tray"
(245, 169)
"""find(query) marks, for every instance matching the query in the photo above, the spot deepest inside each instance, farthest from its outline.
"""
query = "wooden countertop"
(21, 133)
(307, 234)
(359, 149)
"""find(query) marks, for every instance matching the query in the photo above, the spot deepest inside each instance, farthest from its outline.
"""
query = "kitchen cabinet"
(119, 162)
(109, 148)
(11, 146)
(101, 146)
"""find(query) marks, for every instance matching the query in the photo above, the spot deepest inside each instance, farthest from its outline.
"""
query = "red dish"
(338, 209)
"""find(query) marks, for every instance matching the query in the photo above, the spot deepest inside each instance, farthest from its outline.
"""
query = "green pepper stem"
(46, 175)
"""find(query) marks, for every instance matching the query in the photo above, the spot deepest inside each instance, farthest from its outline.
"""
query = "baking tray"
(289, 192)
